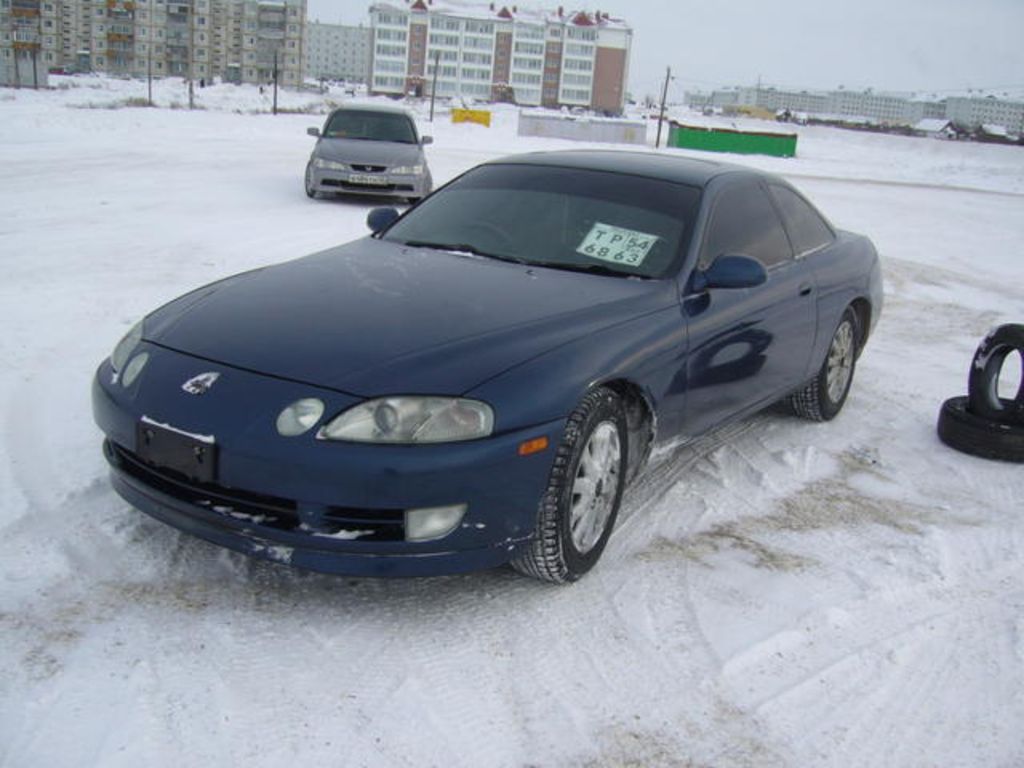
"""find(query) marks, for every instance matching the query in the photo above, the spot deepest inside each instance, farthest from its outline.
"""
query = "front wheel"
(823, 397)
(577, 512)
(309, 183)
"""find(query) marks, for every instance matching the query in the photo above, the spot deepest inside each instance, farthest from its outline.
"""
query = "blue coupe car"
(478, 381)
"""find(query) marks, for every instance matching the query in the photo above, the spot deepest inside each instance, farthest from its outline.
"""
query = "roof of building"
(510, 11)
(932, 124)
(995, 130)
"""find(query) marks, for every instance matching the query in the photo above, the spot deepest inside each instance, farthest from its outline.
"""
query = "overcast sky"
(898, 45)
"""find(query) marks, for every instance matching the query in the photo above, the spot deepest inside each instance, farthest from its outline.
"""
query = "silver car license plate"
(362, 178)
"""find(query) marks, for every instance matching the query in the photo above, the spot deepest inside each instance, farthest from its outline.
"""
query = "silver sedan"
(369, 150)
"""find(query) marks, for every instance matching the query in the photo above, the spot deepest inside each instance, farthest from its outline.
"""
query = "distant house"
(936, 128)
(992, 134)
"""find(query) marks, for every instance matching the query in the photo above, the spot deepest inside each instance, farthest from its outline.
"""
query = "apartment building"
(236, 40)
(495, 52)
(896, 109)
(975, 111)
(28, 41)
(338, 52)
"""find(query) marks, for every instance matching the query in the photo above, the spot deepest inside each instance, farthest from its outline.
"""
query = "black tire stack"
(982, 423)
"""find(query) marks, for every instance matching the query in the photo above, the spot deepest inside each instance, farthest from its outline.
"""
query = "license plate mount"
(180, 452)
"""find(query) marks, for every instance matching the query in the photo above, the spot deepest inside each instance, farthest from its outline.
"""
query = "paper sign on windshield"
(617, 245)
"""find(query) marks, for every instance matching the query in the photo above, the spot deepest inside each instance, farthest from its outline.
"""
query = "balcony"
(25, 9)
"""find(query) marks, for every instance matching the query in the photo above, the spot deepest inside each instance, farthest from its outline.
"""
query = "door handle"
(805, 290)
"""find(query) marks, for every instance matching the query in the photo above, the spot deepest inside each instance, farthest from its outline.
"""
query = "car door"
(748, 346)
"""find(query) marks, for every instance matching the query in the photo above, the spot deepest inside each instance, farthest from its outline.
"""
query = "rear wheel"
(823, 397)
(578, 510)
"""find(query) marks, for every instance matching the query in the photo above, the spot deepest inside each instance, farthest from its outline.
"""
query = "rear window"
(807, 229)
(559, 217)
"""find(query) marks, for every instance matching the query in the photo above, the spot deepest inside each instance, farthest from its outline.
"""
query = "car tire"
(823, 397)
(578, 510)
(983, 381)
(968, 432)
(311, 192)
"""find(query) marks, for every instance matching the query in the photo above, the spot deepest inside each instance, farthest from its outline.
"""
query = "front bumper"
(383, 184)
(331, 507)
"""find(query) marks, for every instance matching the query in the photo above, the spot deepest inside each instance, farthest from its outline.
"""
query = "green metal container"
(729, 140)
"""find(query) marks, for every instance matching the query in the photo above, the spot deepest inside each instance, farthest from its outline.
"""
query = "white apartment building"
(237, 40)
(495, 52)
(974, 111)
(338, 52)
(897, 109)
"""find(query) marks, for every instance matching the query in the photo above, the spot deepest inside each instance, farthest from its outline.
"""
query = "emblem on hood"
(200, 385)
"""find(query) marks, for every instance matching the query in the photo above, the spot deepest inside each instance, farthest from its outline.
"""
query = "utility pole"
(191, 54)
(149, 69)
(661, 113)
(275, 81)
(433, 87)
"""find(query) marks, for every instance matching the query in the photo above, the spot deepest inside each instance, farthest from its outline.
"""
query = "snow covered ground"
(780, 594)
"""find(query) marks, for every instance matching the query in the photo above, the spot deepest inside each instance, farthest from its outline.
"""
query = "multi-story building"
(496, 52)
(28, 41)
(975, 111)
(337, 52)
(970, 112)
(237, 40)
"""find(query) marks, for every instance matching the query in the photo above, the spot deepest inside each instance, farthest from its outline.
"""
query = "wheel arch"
(862, 309)
(640, 422)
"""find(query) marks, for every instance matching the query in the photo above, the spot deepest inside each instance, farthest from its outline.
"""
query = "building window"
(582, 33)
(535, 49)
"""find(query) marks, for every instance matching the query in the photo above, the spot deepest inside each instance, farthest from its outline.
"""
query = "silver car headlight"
(329, 165)
(407, 170)
(411, 420)
(125, 347)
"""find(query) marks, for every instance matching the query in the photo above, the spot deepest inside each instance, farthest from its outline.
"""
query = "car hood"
(377, 318)
(360, 152)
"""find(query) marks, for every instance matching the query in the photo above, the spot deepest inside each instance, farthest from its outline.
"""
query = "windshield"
(370, 126)
(564, 218)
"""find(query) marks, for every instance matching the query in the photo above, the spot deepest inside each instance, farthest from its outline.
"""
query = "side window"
(744, 223)
(806, 227)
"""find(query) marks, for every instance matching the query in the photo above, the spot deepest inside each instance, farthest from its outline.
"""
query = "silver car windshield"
(370, 126)
(563, 218)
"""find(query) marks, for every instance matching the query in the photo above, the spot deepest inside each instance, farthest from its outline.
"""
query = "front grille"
(367, 187)
(369, 168)
(263, 510)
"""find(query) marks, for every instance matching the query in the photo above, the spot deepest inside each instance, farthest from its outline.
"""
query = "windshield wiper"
(463, 248)
(594, 269)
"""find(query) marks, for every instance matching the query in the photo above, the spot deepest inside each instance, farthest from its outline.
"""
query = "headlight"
(134, 368)
(126, 346)
(299, 417)
(411, 420)
(329, 164)
(407, 170)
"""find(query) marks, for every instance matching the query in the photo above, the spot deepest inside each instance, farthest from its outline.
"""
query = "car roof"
(388, 108)
(675, 168)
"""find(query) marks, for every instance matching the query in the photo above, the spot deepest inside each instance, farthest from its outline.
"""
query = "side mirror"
(731, 272)
(424, 140)
(313, 132)
(380, 219)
